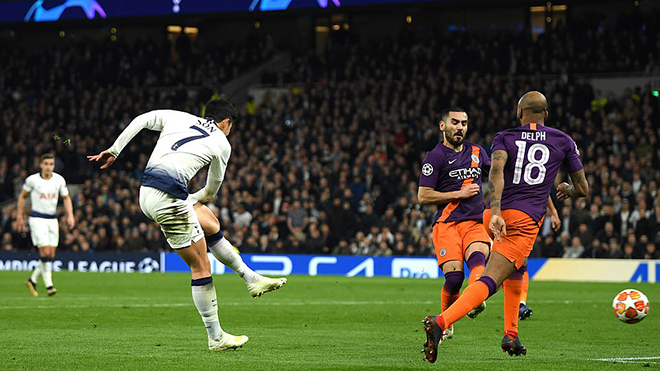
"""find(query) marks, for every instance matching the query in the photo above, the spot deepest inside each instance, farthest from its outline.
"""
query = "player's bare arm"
(579, 188)
(68, 207)
(429, 196)
(152, 120)
(20, 208)
(554, 215)
(496, 177)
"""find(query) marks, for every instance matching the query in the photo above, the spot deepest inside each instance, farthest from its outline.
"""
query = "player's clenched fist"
(469, 191)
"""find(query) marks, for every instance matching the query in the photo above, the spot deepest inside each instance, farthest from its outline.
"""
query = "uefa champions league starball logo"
(427, 169)
(148, 265)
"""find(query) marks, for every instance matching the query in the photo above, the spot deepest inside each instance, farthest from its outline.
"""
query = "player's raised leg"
(223, 250)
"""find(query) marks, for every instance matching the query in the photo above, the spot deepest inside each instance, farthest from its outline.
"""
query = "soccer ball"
(630, 306)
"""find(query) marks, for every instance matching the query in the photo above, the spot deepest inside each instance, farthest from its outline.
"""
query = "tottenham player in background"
(188, 143)
(44, 189)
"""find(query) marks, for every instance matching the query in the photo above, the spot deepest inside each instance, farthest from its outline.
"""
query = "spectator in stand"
(615, 249)
(629, 252)
(651, 252)
(575, 250)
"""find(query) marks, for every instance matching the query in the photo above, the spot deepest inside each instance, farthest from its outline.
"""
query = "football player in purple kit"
(525, 162)
(451, 179)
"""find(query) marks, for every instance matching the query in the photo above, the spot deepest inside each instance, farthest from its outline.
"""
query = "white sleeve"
(214, 179)
(153, 120)
(64, 191)
(28, 186)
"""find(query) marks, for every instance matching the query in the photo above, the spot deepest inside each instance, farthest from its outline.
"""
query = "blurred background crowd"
(330, 166)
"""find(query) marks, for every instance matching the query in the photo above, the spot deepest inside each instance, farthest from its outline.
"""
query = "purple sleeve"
(572, 159)
(498, 143)
(428, 177)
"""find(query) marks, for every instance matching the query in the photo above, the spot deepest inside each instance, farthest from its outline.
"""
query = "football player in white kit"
(44, 189)
(186, 144)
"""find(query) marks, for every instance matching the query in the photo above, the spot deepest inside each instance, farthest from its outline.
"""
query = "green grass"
(116, 321)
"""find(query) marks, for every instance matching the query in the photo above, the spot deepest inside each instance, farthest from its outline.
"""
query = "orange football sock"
(472, 296)
(525, 288)
(512, 290)
(448, 299)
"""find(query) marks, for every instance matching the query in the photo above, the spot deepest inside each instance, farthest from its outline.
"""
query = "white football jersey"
(186, 144)
(44, 194)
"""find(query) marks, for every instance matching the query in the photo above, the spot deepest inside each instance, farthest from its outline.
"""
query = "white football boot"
(478, 309)
(449, 332)
(264, 285)
(227, 342)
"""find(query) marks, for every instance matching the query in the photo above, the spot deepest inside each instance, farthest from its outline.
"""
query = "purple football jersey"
(536, 152)
(446, 170)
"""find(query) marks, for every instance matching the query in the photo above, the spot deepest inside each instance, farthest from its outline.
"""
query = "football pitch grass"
(133, 321)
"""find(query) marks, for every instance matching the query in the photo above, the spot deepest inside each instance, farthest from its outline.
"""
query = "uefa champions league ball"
(630, 306)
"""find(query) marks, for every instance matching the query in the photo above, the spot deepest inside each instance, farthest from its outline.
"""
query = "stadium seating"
(332, 165)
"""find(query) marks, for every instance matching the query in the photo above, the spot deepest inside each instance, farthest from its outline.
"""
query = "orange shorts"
(521, 231)
(452, 239)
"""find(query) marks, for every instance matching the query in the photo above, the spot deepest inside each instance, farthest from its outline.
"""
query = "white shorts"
(176, 217)
(43, 231)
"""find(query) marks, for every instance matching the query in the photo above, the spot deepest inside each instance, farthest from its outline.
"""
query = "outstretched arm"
(151, 120)
(496, 179)
(214, 179)
(579, 188)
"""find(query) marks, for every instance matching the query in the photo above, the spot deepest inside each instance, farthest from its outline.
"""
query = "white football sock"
(37, 272)
(227, 255)
(206, 302)
(48, 274)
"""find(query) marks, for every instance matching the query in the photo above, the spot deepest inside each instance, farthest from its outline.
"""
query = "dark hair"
(445, 112)
(47, 156)
(221, 108)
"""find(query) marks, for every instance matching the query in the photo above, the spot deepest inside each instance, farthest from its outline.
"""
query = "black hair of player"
(445, 112)
(221, 108)
(46, 156)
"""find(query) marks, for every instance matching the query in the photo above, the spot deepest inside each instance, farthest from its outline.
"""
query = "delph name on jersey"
(462, 174)
(535, 136)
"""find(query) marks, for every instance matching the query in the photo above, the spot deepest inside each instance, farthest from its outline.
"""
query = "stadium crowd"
(331, 167)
